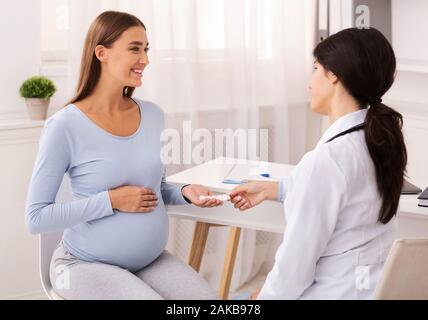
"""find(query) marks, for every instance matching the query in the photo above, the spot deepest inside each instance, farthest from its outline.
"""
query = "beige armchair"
(405, 274)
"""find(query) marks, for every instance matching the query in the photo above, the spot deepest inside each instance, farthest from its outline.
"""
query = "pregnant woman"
(116, 228)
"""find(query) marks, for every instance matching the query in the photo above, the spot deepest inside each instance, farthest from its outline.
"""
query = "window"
(170, 27)
(55, 26)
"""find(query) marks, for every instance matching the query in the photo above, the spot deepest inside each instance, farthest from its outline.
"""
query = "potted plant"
(37, 92)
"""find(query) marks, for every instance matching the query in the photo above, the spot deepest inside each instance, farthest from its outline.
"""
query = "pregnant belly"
(128, 240)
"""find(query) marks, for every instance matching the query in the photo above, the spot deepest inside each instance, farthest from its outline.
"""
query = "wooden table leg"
(200, 236)
(199, 240)
(229, 261)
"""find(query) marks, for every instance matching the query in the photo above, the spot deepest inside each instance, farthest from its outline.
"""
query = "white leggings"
(166, 278)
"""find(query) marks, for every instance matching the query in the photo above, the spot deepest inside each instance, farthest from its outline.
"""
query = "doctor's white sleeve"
(317, 194)
(281, 190)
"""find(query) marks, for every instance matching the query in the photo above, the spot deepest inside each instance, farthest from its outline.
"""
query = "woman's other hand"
(193, 193)
(133, 199)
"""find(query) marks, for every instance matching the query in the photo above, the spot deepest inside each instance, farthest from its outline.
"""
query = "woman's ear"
(332, 77)
(101, 53)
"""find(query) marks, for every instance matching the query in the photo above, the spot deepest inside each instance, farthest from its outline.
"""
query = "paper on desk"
(251, 172)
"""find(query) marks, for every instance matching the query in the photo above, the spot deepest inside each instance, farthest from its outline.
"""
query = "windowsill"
(415, 108)
(20, 123)
(408, 65)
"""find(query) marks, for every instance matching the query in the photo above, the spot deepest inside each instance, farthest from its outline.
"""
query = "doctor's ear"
(101, 53)
(332, 77)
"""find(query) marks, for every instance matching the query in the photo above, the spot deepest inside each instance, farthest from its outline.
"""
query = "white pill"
(223, 197)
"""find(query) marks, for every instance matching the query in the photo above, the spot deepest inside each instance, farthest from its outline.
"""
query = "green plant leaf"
(37, 87)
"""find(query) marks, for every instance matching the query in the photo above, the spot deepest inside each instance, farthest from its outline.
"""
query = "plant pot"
(37, 108)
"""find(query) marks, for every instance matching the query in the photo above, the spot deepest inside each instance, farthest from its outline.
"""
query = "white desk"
(268, 216)
(409, 207)
(412, 220)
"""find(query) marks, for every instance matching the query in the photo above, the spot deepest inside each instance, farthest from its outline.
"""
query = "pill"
(222, 197)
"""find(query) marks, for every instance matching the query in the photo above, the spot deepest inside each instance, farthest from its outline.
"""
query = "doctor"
(341, 199)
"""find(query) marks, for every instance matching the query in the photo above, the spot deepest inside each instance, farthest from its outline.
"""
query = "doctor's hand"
(251, 194)
(193, 192)
(133, 199)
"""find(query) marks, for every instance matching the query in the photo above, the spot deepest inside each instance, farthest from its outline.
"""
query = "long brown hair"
(105, 30)
(365, 63)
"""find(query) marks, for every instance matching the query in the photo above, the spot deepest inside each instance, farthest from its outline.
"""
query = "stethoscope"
(358, 127)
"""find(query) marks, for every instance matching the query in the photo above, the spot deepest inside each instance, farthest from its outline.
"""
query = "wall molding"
(20, 134)
(409, 109)
(412, 65)
(16, 115)
(20, 124)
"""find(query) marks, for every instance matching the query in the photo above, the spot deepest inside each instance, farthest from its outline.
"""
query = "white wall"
(18, 248)
(20, 53)
(409, 28)
(19, 59)
(409, 39)
(409, 94)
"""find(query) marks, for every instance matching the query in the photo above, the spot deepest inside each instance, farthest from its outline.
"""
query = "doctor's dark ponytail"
(365, 64)
(387, 149)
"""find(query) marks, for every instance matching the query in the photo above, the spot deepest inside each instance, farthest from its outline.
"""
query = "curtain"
(237, 64)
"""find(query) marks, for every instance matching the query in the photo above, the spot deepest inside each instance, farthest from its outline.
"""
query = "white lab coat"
(333, 247)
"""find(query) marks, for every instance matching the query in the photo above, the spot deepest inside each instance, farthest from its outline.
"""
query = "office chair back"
(49, 241)
(405, 274)
(47, 244)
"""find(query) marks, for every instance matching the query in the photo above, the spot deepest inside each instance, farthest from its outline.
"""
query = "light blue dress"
(97, 161)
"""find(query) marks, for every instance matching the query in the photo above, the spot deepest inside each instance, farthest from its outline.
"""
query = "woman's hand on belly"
(133, 199)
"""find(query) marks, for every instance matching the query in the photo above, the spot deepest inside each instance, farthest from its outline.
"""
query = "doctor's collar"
(345, 122)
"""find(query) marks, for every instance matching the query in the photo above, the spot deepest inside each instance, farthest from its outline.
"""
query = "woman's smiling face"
(127, 58)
